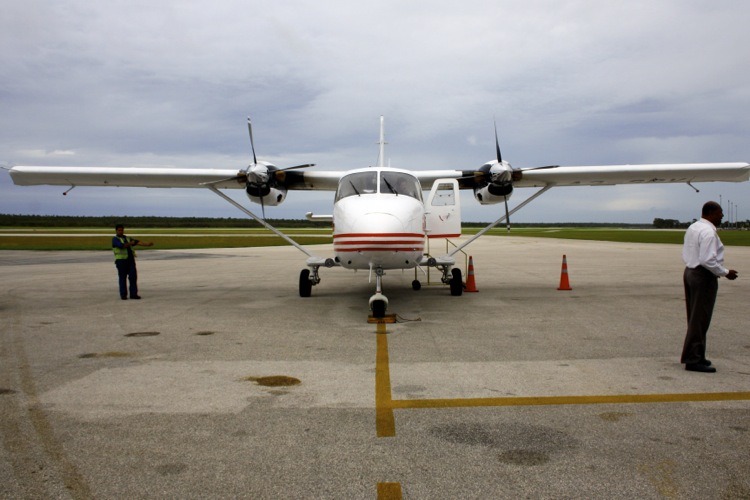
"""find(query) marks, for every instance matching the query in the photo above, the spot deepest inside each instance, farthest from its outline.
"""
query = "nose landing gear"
(378, 302)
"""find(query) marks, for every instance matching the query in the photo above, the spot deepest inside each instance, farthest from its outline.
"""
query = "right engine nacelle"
(494, 182)
(493, 193)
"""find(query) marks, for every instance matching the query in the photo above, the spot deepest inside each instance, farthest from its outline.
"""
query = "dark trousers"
(701, 286)
(126, 270)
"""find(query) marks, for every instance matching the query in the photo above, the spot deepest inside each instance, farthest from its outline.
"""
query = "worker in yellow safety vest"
(125, 261)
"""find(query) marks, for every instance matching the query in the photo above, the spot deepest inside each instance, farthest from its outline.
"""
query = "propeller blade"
(252, 142)
(299, 166)
(240, 177)
(507, 215)
(280, 174)
(497, 146)
(542, 168)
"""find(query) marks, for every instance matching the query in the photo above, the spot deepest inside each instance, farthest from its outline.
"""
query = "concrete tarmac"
(222, 382)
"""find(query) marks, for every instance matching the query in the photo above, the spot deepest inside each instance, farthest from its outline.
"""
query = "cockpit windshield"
(397, 183)
(357, 184)
(401, 184)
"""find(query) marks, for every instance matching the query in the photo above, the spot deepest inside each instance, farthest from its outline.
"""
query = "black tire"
(305, 285)
(457, 286)
(416, 285)
(378, 309)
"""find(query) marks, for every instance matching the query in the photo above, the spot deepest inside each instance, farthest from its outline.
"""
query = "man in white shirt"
(703, 254)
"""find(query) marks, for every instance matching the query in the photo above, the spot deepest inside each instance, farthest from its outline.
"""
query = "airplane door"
(443, 210)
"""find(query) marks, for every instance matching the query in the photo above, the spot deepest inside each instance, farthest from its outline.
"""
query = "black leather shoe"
(697, 367)
(705, 362)
(124, 298)
(135, 297)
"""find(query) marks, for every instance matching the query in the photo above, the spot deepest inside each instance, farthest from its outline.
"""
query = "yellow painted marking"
(389, 491)
(384, 421)
(570, 400)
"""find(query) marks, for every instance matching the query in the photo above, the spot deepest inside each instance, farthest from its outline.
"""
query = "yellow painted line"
(384, 421)
(389, 491)
(570, 400)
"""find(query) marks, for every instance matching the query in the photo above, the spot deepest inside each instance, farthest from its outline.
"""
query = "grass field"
(165, 239)
(729, 238)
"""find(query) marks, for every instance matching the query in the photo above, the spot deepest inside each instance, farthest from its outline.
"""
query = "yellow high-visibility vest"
(122, 253)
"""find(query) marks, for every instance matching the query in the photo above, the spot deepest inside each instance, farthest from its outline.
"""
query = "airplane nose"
(378, 222)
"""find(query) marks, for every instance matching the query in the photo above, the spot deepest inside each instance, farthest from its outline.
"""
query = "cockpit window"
(357, 184)
(400, 184)
(397, 183)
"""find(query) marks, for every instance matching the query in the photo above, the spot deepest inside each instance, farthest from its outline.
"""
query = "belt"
(702, 269)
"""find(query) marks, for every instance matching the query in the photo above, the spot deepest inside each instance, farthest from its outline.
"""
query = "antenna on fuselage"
(382, 143)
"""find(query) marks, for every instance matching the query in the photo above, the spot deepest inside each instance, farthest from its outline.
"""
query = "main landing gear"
(309, 277)
(451, 276)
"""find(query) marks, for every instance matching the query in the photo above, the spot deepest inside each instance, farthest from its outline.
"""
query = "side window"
(444, 196)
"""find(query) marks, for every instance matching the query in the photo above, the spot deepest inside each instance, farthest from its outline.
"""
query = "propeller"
(515, 175)
(252, 142)
(497, 146)
(261, 176)
(500, 161)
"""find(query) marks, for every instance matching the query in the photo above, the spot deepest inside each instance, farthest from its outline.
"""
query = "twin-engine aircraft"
(381, 219)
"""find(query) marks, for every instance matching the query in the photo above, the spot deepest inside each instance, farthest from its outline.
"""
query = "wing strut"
(498, 221)
(261, 221)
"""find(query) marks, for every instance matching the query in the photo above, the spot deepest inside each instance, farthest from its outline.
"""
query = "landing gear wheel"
(416, 285)
(457, 286)
(378, 309)
(305, 285)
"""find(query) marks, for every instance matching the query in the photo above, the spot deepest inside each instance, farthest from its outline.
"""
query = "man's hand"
(732, 274)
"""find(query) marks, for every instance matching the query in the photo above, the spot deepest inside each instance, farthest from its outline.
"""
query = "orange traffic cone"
(471, 285)
(564, 282)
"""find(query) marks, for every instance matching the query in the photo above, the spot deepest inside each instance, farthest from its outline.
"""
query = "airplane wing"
(603, 175)
(161, 177)
(634, 174)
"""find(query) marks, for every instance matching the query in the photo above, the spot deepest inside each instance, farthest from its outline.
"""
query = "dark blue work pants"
(126, 270)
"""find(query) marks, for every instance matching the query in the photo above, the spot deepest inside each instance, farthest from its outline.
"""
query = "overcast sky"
(170, 83)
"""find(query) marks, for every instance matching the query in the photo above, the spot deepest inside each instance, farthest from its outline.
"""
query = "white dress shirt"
(704, 248)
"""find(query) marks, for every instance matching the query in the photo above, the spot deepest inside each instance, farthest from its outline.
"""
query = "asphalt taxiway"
(223, 382)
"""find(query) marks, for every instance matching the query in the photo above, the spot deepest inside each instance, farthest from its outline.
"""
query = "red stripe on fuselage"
(371, 242)
(378, 235)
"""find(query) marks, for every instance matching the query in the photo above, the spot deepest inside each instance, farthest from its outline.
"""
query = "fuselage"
(379, 220)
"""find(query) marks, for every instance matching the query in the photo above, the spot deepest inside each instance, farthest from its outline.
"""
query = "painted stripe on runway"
(389, 491)
(384, 421)
(385, 404)
(570, 400)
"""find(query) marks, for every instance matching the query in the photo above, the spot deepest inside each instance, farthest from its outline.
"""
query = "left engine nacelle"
(271, 196)
(263, 185)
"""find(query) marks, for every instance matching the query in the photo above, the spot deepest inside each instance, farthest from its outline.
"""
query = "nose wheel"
(378, 302)
(378, 306)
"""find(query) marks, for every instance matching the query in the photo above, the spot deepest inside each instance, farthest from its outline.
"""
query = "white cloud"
(170, 83)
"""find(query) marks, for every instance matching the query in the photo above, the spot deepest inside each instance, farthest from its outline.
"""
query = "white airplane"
(380, 219)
